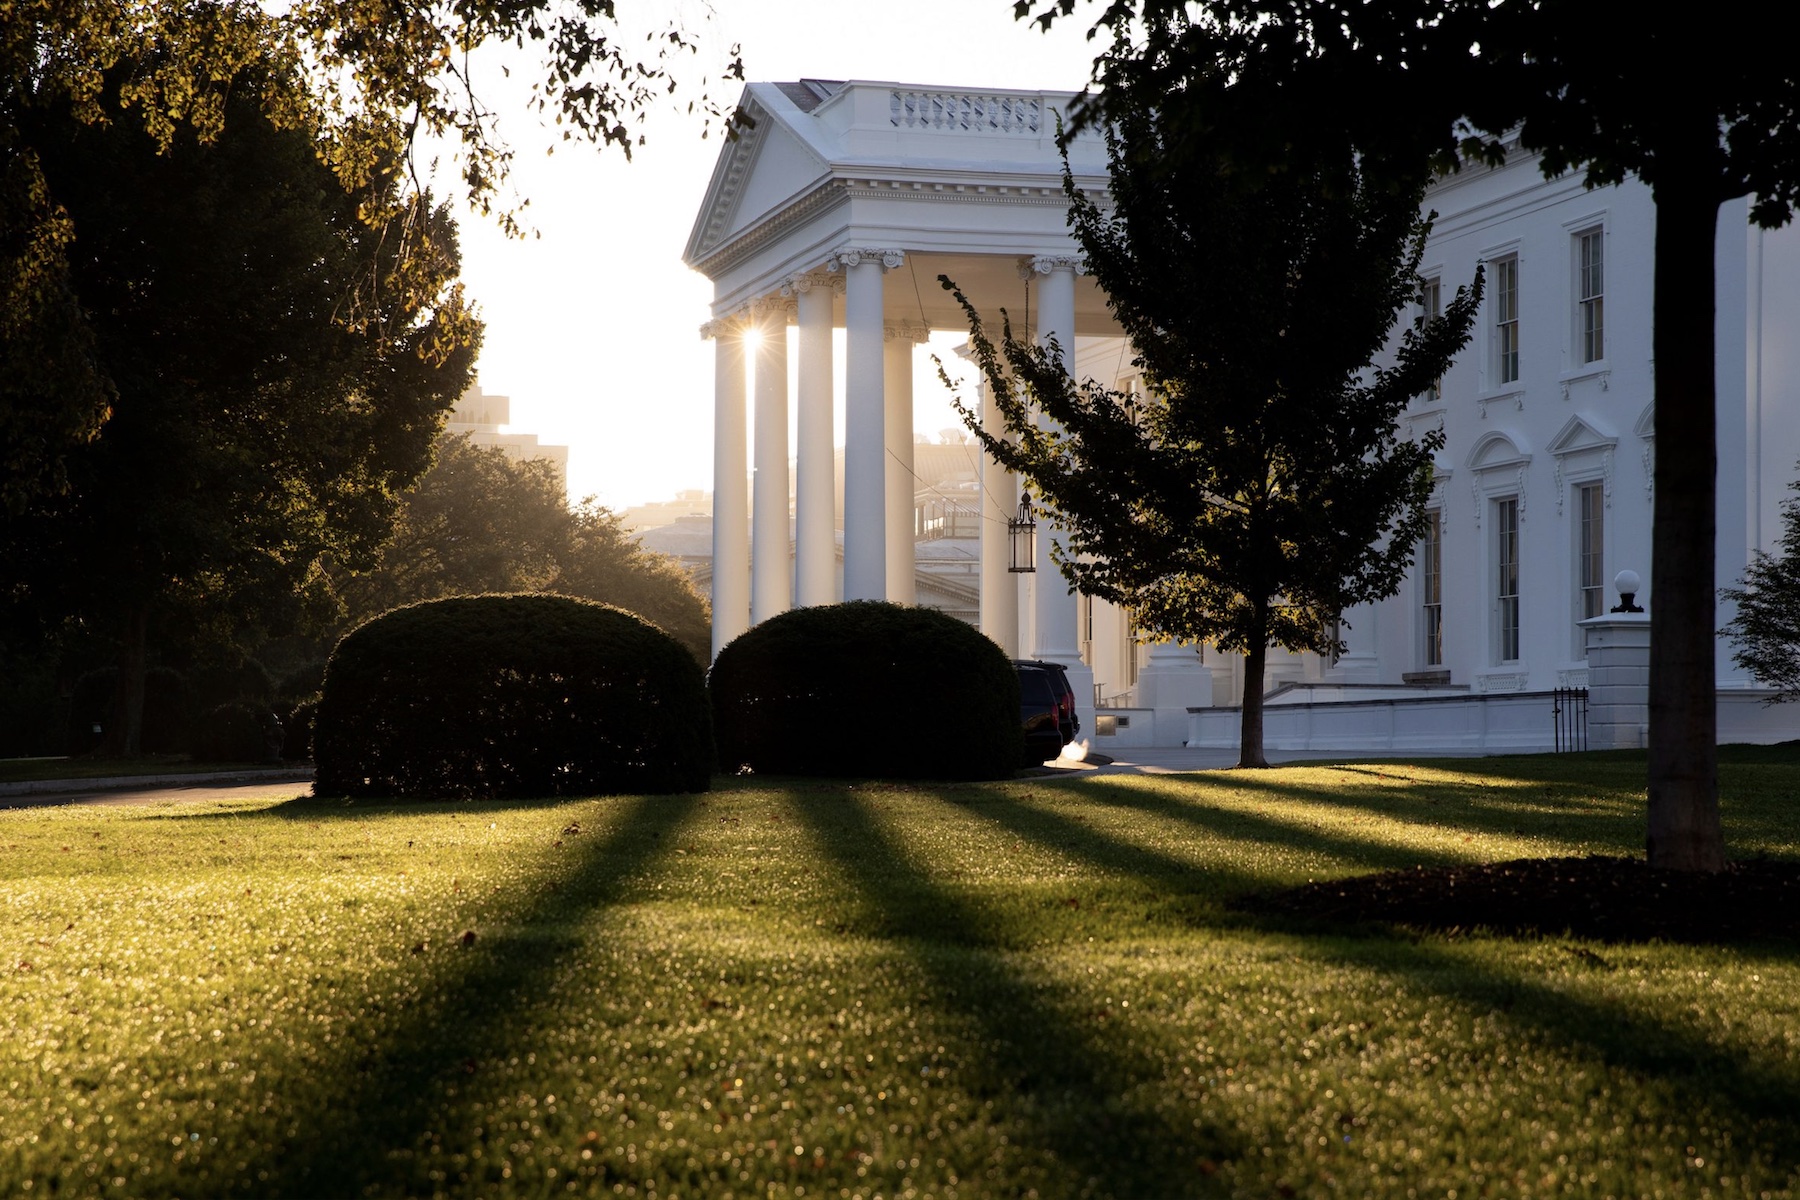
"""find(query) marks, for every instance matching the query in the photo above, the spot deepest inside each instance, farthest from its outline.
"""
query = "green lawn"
(793, 989)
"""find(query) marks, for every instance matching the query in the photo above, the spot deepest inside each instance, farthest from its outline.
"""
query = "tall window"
(1430, 308)
(1590, 550)
(1506, 577)
(1506, 319)
(1431, 587)
(1590, 294)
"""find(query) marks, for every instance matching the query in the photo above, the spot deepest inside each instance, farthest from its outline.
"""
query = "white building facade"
(845, 201)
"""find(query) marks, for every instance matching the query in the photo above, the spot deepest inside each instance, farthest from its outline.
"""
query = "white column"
(815, 512)
(731, 495)
(999, 501)
(1361, 661)
(1058, 635)
(771, 569)
(865, 449)
(897, 384)
(1173, 681)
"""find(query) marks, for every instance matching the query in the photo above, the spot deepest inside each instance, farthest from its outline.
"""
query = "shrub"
(237, 732)
(866, 689)
(514, 695)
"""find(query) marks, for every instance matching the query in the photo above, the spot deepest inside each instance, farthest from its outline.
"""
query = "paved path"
(161, 790)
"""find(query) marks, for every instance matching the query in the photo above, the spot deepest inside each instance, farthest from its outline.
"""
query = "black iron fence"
(1569, 711)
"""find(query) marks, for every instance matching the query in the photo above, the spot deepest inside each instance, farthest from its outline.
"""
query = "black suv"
(1047, 708)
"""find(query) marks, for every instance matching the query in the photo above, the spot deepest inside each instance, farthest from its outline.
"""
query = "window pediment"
(1581, 433)
(1497, 451)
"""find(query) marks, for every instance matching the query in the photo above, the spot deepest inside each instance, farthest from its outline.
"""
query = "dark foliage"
(297, 731)
(246, 682)
(167, 711)
(278, 370)
(866, 689)
(510, 696)
(1609, 898)
(1765, 633)
(237, 732)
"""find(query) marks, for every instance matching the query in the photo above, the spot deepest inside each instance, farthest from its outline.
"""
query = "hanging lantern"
(1021, 532)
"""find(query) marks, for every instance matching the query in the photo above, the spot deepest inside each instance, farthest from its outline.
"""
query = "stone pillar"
(1618, 667)
(1058, 637)
(815, 512)
(731, 494)
(865, 448)
(902, 483)
(999, 502)
(771, 568)
(1361, 660)
(1173, 681)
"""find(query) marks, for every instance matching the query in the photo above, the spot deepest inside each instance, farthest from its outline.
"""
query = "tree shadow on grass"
(349, 1135)
(1066, 830)
(1062, 1082)
(1572, 810)
(1756, 1099)
(318, 809)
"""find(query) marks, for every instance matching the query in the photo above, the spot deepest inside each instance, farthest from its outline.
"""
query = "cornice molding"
(716, 257)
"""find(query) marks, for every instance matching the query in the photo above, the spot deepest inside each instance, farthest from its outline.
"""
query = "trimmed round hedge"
(510, 696)
(866, 690)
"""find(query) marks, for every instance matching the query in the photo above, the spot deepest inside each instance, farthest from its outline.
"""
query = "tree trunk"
(1250, 733)
(1684, 831)
(124, 735)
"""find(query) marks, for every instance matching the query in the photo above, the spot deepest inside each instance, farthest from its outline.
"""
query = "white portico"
(839, 207)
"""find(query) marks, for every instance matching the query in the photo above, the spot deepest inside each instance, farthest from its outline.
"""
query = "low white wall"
(1519, 722)
(1744, 717)
(1122, 727)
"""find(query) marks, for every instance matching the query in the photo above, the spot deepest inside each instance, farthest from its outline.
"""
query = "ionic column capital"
(806, 281)
(720, 327)
(843, 260)
(776, 306)
(1043, 264)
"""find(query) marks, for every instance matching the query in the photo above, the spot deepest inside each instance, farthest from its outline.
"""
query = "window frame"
(1431, 590)
(1504, 323)
(1431, 307)
(1508, 624)
(1589, 294)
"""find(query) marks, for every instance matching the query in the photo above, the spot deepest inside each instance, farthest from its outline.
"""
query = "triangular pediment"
(758, 173)
(1496, 449)
(1580, 433)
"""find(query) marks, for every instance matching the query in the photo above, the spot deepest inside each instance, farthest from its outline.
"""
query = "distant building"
(692, 502)
(480, 416)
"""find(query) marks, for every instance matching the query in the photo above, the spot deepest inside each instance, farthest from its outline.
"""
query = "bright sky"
(592, 327)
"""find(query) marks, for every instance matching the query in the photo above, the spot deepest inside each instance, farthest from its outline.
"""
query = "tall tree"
(279, 367)
(1701, 110)
(375, 77)
(1257, 489)
(480, 521)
